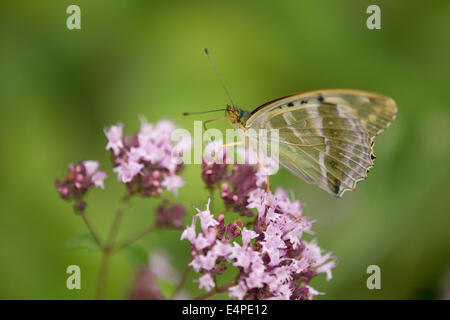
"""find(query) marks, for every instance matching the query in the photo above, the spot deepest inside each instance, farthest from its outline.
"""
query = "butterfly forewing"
(326, 137)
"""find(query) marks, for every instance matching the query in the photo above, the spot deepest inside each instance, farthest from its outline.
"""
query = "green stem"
(102, 276)
(106, 252)
(91, 229)
(114, 229)
(181, 281)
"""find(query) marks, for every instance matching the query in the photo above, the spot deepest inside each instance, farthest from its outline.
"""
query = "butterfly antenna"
(218, 75)
(201, 112)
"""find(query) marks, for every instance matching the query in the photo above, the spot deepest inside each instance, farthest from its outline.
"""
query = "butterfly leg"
(267, 176)
(220, 149)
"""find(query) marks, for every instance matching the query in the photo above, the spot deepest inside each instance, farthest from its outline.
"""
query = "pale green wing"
(326, 137)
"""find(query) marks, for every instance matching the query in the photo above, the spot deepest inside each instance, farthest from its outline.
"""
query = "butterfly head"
(237, 116)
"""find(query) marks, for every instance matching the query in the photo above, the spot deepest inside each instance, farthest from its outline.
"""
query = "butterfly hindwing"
(326, 137)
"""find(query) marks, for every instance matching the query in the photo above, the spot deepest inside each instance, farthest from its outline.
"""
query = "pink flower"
(221, 249)
(294, 236)
(164, 129)
(283, 274)
(206, 218)
(161, 264)
(313, 252)
(147, 161)
(97, 179)
(238, 291)
(247, 236)
(144, 286)
(313, 292)
(299, 265)
(196, 264)
(189, 233)
(258, 199)
(114, 136)
(169, 215)
(326, 268)
(272, 237)
(182, 145)
(208, 261)
(242, 256)
(214, 152)
(284, 292)
(172, 183)
(282, 201)
(127, 170)
(257, 276)
(272, 246)
(206, 282)
(215, 165)
(77, 182)
(273, 262)
(277, 259)
(205, 262)
(155, 145)
(91, 166)
(205, 239)
(208, 235)
(146, 128)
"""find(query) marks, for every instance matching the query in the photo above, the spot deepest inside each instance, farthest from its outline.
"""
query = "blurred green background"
(59, 88)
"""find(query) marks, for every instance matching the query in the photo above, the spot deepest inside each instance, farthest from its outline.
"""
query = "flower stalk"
(181, 282)
(91, 229)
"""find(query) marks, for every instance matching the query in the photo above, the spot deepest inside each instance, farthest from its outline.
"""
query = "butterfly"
(326, 137)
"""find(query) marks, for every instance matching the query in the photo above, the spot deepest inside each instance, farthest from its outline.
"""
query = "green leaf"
(166, 288)
(82, 240)
(135, 254)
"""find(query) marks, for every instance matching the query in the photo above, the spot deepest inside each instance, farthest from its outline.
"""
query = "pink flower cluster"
(169, 215)
(78, 181)
(147, 162)
(238, 180)
(269, 251)
(273, 260)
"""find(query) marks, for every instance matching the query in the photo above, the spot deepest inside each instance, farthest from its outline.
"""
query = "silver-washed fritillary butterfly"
(326, 137)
